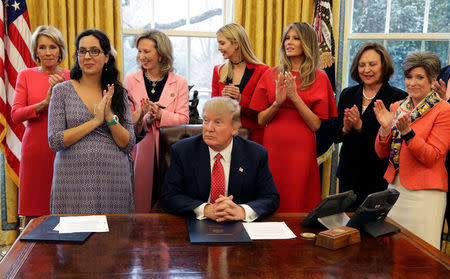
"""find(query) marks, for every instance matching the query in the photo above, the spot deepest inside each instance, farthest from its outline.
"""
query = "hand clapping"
(103, 109)
(383, 116)
(286, 87)
(352, 119)
(141, 110)
(231, 91)
(291, 86)
(155, 111)
(53, 80)
(403, 123)
(440, 88)
(280, 92)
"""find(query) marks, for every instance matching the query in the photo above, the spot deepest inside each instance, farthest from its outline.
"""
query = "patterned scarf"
(422, 108)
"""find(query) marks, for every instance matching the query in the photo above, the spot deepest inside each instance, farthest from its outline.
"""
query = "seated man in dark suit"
(238, 185)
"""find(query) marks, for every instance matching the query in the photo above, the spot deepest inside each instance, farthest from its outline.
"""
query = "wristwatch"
(408, 135)
(115, 120)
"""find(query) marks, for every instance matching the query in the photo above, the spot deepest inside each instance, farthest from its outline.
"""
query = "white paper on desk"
(73, 224)
(268, 230)
(334, 221)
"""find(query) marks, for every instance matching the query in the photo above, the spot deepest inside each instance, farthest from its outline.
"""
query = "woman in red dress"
(237, 78)
(292, 99)
(31, 100)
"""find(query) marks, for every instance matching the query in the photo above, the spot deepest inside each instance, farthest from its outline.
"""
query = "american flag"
(15, 55)
(323, 23)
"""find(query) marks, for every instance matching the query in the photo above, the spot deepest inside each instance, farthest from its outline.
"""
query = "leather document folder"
(208, 231)
(45, 232)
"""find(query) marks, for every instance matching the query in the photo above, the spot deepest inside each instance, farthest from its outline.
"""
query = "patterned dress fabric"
(36, 157)
(93, 175)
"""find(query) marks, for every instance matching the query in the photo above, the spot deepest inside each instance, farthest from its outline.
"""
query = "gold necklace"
(153, 82)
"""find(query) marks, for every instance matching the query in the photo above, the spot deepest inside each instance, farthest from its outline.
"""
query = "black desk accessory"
(45, 232)
(331, 205)
(371, 213)
(208, 231)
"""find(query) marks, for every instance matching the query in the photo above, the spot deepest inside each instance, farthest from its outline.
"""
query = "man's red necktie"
(217, 180)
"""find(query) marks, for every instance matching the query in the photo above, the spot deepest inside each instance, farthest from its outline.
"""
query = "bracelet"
(406, 137)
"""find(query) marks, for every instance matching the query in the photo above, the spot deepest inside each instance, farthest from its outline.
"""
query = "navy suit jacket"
(188, 180)
(360, 169)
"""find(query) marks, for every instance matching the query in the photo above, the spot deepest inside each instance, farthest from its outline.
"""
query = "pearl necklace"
(153, 82)
(367, 98)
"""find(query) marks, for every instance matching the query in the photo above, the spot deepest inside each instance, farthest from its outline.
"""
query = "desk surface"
(157, 246)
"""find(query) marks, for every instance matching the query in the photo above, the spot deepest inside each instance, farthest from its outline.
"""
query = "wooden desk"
(157, 246)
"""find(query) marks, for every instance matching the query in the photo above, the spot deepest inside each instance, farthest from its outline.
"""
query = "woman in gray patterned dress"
(91, 130)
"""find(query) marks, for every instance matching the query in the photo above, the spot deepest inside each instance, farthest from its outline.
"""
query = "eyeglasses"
(92, 52)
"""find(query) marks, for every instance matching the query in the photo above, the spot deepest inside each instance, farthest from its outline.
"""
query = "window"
(191, 26)
(401, 26)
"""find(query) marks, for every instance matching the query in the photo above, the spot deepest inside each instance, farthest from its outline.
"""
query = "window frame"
(227, 18)
(348, 36)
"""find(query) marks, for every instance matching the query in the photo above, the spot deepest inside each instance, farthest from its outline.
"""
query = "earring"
(105, 67)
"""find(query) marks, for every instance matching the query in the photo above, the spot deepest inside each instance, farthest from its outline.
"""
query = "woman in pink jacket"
(165, 96)
(415, 135)
(31, 100)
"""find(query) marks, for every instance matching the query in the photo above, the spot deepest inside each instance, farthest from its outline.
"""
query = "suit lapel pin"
(241, 170)
(172, 94)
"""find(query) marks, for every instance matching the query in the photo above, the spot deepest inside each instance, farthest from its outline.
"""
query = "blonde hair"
(308, 39)
(236, 33)
(52, 33)
(162, 46)
(222, 105)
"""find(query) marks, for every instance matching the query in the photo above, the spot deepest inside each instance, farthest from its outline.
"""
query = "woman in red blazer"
(31, 100)
(415, 135)
(237, 78)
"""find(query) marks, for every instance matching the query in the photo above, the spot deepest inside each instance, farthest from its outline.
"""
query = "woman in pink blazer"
(165, 96)
(415, 135)
(237, 78)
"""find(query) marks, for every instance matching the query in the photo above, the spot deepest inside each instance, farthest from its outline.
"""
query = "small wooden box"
(338, 237)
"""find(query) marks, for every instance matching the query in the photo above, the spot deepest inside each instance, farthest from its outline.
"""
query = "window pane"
(180, 55)
(205, 15)
(398, 49)
(440, 48)
(204, 56)
(439, 19)
(136, 14)
(407, 16)
(129, 55)
(369, 16)
(170, 14)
